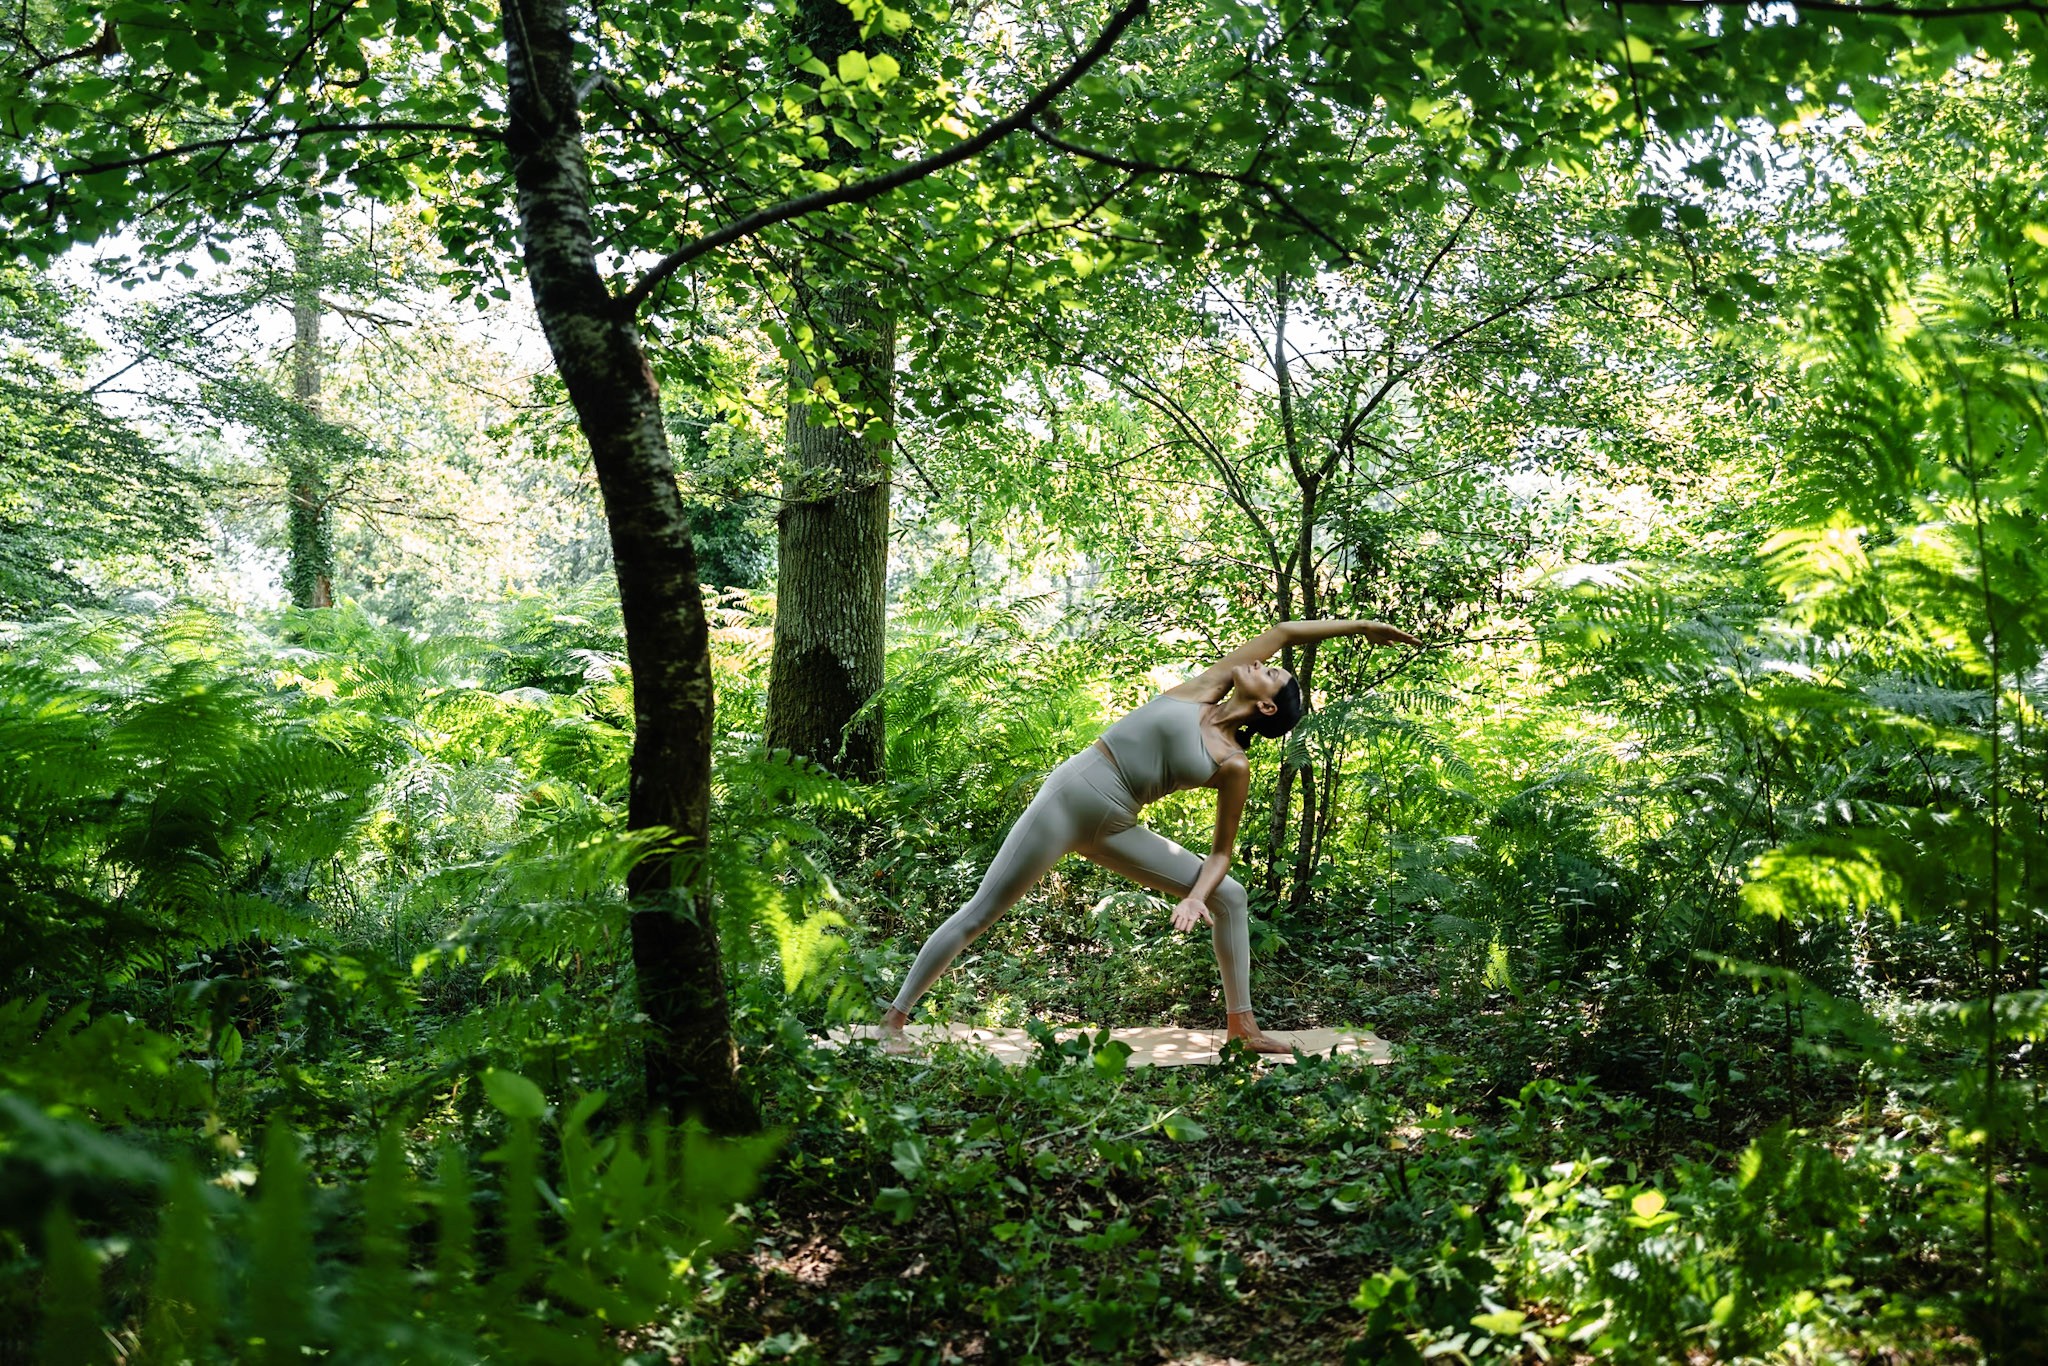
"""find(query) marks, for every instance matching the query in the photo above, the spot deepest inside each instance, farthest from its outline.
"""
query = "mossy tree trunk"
(691, 1065)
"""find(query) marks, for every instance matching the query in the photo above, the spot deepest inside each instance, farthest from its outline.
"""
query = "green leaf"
(1648, 1204)
(884, 68)
(853, 67)
(1707, 170)
(1502, 1323)
(1376, 1289)
(514, 1095)
(1113, 1057)
(896, 1202)
(1181, 1129)
(907, 1157)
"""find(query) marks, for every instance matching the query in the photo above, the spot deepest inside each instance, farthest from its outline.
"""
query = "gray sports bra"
(1158, 748)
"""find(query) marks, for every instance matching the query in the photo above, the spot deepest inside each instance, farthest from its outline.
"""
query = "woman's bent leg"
(1049, 829)
(1152, 860)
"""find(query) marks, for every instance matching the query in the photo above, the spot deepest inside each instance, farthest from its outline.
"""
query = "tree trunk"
(1316, 828)
(1295, 772)
(309, 519)
(1283, 785)
(833, 546)
(832, 537)
(691, 1064)
(1302, 874)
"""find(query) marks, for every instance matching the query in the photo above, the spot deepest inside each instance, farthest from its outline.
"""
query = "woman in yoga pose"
(1193, 735)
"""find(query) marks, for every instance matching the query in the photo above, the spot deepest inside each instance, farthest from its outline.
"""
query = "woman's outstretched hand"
(1382, 634)
(1190, 913)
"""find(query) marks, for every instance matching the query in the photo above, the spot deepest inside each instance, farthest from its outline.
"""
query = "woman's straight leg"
(1060, 817)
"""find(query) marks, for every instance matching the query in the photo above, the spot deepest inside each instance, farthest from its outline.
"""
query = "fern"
(630, 1217)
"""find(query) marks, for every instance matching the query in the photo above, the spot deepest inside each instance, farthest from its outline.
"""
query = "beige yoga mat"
(1150, 1046)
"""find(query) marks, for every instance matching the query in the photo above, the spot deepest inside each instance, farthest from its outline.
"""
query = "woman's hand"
(1190, 913)
(1308, 632)
(1379, 633)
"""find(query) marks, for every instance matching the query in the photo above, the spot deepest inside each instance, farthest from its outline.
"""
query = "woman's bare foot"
(1245, 1029)
(893, 1042)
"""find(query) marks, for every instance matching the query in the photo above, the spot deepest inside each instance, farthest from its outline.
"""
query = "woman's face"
(1259, 683)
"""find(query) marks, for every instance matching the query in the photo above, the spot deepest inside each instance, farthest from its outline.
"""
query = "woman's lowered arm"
(1233, 780)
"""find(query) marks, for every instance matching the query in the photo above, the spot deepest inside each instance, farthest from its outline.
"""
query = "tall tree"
(80, 486)
(597, 351)
(832, 534)
(309, 515)
(832, 540)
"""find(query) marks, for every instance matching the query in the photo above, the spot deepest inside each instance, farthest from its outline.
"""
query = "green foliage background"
(1697, 871)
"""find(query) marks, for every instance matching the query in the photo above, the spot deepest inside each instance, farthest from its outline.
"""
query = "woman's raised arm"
(1378, 632)
(1210, 683)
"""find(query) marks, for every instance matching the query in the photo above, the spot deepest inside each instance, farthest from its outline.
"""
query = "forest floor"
(1329, 1211)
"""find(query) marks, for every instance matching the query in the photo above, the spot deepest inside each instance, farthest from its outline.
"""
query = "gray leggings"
(1084, 808)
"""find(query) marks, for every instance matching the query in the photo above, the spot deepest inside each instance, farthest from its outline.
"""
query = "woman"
(1193, 735)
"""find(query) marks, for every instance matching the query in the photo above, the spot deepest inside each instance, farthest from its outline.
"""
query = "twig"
(1245, 179)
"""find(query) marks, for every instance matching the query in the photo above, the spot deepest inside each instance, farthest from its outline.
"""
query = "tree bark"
(1308, 484)
(309, 516)
(690, 1060)
(832, 537)
(832, 541)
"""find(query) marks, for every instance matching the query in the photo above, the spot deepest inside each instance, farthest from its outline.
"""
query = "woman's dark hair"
(1287, 713)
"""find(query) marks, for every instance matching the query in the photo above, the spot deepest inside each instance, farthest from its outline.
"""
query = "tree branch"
(1244, 179)
(63, 174)
(108, 44)
(860, 191)
(363, 314)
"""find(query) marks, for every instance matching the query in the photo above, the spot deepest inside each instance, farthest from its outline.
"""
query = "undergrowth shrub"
(584, 1246)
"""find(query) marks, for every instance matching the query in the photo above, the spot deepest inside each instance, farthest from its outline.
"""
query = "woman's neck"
(1230, 712)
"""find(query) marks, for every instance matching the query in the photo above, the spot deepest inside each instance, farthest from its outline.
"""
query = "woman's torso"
(1159, 748)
